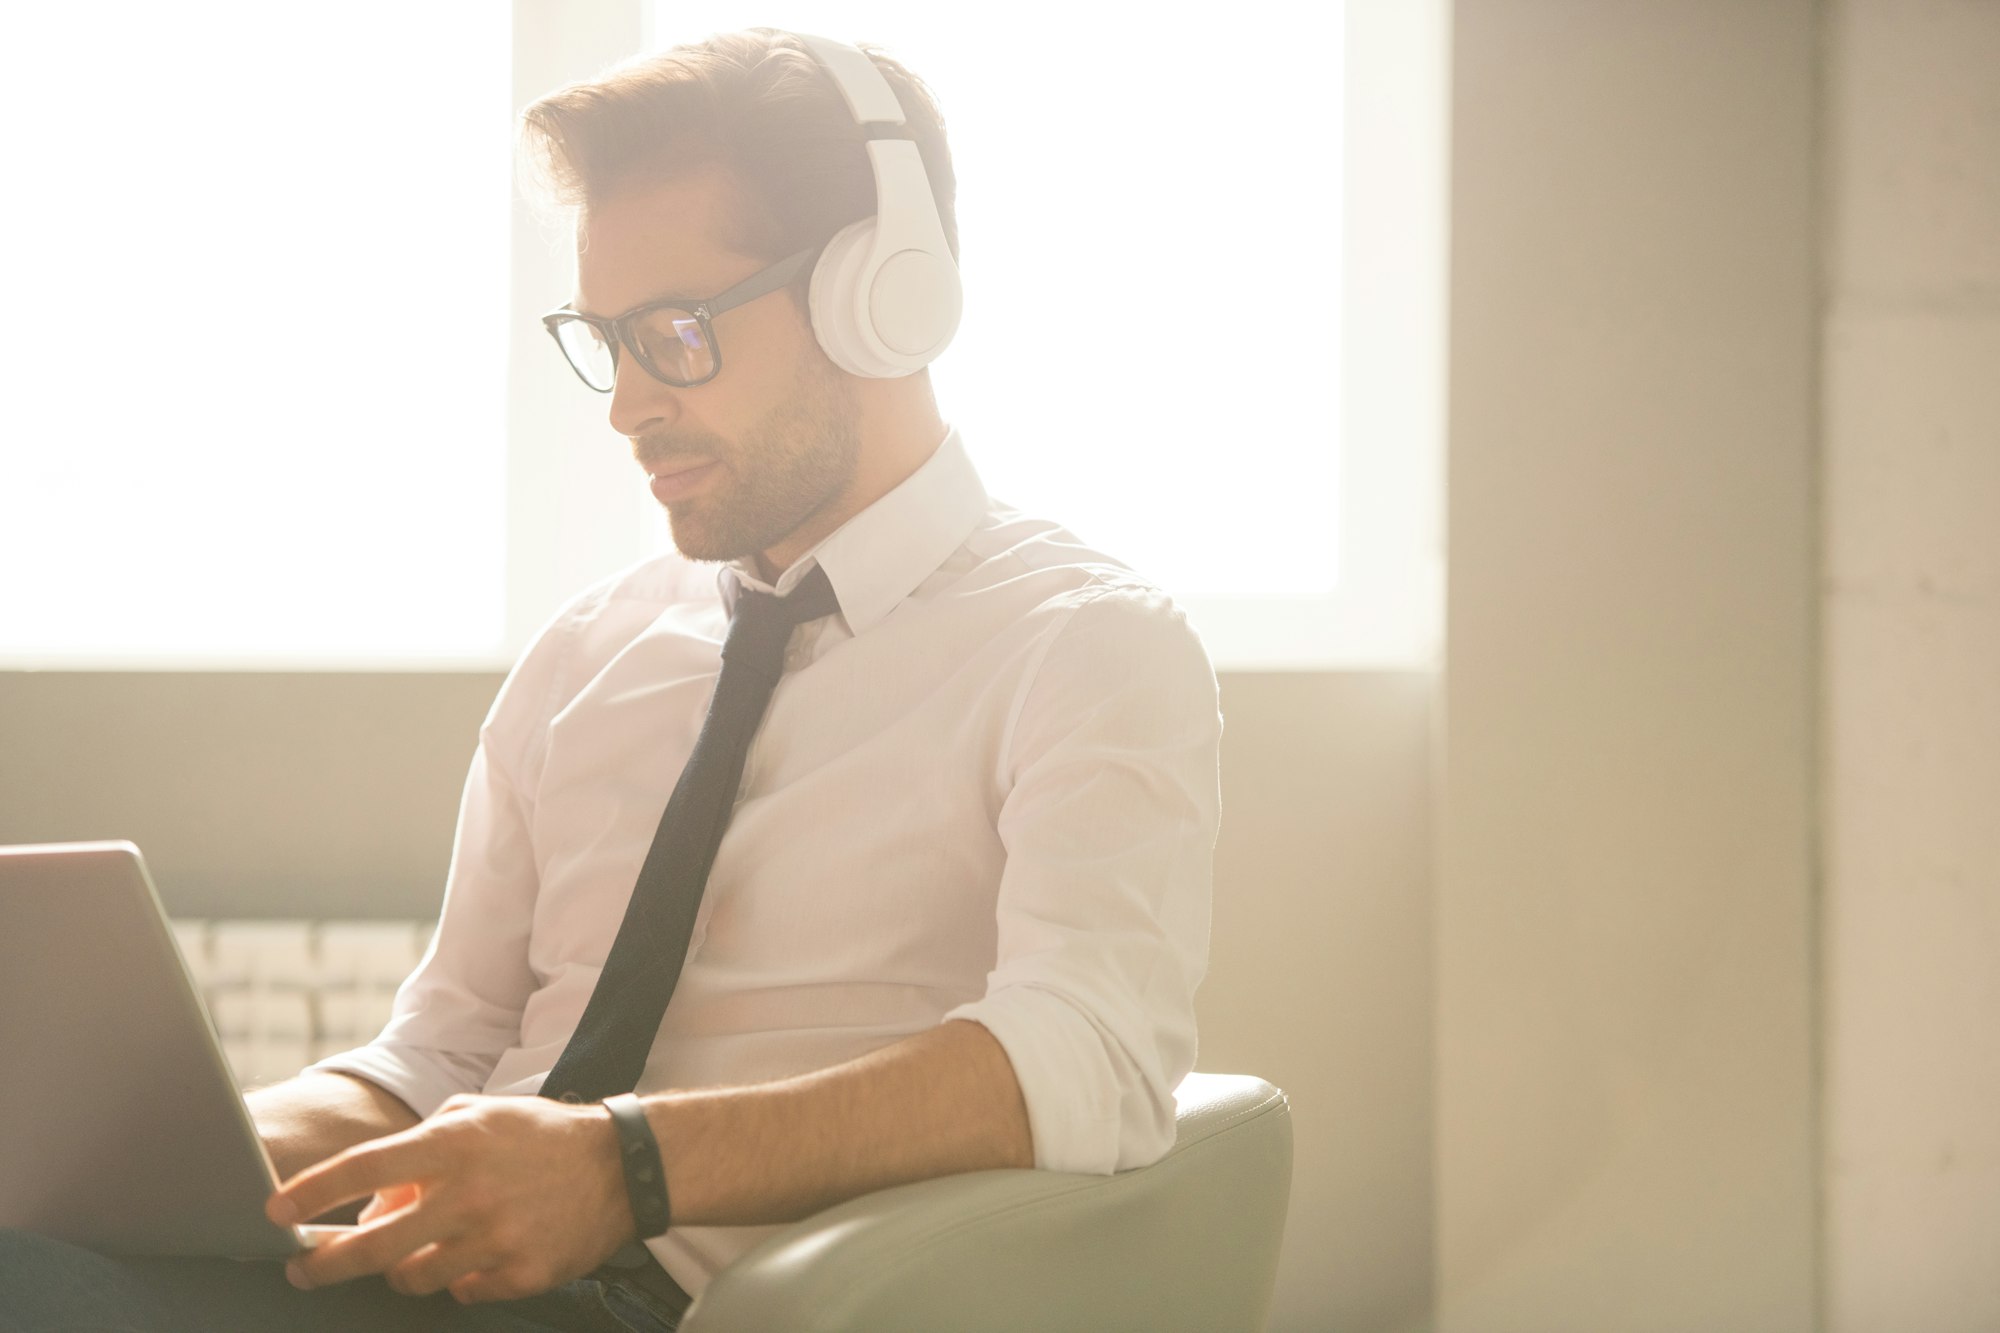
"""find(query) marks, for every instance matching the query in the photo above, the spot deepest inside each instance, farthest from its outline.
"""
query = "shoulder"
(1067, 588)
(1100, 639)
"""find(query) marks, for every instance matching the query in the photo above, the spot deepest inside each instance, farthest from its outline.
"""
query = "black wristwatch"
(639, 1154)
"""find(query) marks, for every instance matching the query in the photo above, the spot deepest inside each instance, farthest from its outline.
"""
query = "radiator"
(283, 994)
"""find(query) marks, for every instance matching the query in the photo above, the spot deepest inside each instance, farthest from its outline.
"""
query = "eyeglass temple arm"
(769, 280)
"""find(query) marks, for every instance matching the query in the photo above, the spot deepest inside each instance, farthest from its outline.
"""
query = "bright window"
(287, 403)
(1203, 268)
(255, 409)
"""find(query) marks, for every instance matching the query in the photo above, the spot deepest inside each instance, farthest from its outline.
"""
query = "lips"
(680, 480)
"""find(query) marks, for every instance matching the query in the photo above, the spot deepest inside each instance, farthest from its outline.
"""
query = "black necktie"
(608, 1050)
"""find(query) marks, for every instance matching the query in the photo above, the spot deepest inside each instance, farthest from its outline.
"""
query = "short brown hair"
(756, 104)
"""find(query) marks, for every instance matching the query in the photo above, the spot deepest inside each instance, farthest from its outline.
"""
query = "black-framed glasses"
(672, 340)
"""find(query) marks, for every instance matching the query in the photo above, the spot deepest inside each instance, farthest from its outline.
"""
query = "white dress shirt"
(987, 789)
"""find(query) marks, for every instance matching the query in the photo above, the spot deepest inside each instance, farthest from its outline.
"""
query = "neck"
(900, 429)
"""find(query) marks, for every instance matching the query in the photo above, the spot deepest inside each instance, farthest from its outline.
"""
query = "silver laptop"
(121, 1128)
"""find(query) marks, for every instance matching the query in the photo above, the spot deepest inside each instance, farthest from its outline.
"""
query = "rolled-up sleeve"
(460, 1009)
(1109, 828)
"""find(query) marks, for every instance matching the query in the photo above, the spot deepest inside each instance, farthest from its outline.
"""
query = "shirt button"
(572, 1098)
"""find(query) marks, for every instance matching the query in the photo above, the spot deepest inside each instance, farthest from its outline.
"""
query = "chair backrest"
(1223, 1194)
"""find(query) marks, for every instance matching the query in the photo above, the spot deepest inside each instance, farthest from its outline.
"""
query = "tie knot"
(811, 599)
(763, 623)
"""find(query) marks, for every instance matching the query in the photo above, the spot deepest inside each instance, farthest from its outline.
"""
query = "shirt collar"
(878, 557)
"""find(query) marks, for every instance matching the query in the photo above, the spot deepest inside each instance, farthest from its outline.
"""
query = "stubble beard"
(801, 458)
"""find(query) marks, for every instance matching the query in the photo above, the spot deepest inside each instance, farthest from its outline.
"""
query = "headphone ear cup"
(839, 305)
(882, 320)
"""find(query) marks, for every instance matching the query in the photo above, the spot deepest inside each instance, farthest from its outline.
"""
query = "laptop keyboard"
(286, 993)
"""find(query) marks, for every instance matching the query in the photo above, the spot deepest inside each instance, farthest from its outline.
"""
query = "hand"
(494, 1198)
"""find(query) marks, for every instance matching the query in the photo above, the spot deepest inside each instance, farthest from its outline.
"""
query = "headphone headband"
(885, 294)
(869, 97)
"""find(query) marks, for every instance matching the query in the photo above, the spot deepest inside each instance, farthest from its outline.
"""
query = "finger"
(371, 1249)
(499, 1283)
(435, 1267)
(465, 1288)
(354, 1174)
(388, 1201)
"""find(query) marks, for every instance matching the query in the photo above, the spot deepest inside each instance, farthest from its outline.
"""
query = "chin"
(697, 542)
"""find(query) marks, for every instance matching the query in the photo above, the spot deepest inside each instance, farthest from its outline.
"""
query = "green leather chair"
(1190, 1242)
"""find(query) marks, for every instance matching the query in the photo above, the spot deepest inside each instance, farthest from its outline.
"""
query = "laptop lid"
(123, 1127)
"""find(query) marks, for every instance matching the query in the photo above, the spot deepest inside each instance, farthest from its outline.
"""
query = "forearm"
(938, 1103)
(541, 1193)
(310, 1118)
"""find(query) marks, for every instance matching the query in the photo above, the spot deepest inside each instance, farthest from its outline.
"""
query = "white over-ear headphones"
(885, 296)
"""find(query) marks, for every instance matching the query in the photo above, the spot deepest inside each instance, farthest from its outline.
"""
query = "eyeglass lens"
(586, 349)
(671, 341)
(675, 344)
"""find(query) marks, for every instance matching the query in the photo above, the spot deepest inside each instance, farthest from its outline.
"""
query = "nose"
(640, 403)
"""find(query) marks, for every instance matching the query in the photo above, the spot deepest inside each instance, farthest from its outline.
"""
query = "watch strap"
(639, 1155)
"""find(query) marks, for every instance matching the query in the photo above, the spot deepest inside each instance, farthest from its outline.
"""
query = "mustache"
(655, 452)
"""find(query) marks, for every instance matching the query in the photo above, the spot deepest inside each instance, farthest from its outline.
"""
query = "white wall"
(1625, 916)
(1709, 1059)
(1912, 655)
(1320, 976)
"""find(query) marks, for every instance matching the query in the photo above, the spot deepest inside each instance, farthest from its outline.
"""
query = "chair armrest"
(1190, 1242)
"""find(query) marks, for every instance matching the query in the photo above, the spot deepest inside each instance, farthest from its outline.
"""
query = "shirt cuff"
(1066, 1076)
(423, 1084)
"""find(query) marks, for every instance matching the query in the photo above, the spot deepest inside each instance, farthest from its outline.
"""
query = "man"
(960, 907)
